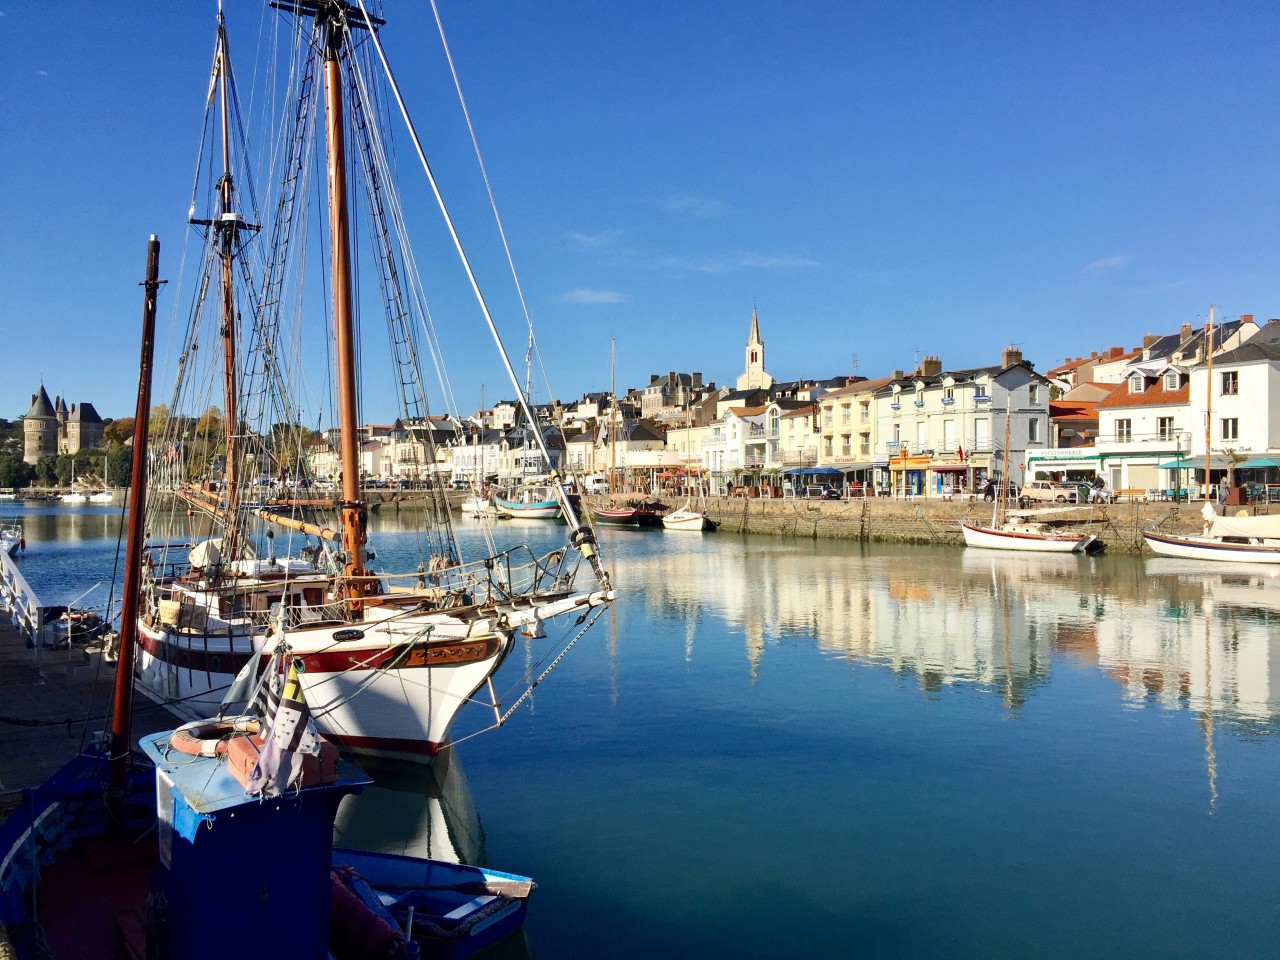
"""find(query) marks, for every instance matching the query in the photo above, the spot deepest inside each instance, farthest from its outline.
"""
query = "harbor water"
(777, 747)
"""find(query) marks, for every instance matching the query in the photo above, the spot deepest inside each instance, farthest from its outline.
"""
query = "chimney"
(1187, 331)
(897, 374)
(653, 378)
(1011, 356)
(1246, 318)
(931, 366)
(1116, 352)
(1149, 341)
(695, 380)
(671, 379)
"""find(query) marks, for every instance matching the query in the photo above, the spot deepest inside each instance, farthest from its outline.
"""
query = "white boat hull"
(1010, 537)
(685, 520)
(533, 511)
(1213, 549)
(387, 687)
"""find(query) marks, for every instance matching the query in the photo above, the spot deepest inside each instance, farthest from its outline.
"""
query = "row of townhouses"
(1141, 419)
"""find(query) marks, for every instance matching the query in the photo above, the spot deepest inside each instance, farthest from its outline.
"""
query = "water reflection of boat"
(414, 809)
(1021, 566)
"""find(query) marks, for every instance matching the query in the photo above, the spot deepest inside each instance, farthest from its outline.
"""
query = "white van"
(595, 483)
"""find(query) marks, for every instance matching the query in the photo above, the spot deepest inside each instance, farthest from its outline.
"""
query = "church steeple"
(754, 376)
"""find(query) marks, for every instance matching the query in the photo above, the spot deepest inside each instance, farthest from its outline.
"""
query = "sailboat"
(75, 496)
(1006, 533)
(1231, 539)
(390, 657)
(115, 855)
(105, 495)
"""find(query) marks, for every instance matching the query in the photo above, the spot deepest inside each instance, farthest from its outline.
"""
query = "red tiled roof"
(1073, 410)
(1154, 396)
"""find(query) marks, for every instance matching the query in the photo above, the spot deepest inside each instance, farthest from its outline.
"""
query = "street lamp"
(1177, 478)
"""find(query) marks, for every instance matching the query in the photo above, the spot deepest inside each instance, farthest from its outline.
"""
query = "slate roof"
(41, 406)
(84, 413)
(1263, 346)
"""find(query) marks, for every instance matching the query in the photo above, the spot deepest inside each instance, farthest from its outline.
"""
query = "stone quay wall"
(1118, 525)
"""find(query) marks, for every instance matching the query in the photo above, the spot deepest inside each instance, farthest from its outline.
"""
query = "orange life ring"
(208, 738)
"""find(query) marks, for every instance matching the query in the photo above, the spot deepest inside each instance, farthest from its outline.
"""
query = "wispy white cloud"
(585, 295)
(1107, 264)
(701, 208)
(778, 261)
(43, 73)
(696, 264)
(604, 240)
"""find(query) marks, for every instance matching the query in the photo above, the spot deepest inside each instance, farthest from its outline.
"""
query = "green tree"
(15, 472)
(119, 465)
(47, 470)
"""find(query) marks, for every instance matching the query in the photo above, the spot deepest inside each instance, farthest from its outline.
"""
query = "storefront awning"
(958, 467)
(1197, 463)
(1260, 463)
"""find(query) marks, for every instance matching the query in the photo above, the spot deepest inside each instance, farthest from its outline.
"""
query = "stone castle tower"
(754, 377)
(53, 427)
(39, 428)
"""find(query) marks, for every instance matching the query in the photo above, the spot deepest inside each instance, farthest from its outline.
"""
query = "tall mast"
(122, 700)
(227, 229)
(353, 516)
(613, 414)
(1208, 404)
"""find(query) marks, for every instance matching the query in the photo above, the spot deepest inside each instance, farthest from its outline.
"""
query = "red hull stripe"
(391, 745)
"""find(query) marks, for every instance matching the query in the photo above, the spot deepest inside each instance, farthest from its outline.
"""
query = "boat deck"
(50, 706)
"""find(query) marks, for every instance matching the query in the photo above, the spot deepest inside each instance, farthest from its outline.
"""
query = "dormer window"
(1136, 383)
(948, 394)
(1172, 380)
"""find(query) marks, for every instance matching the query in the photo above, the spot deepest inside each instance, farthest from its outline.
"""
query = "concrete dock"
(53, 705)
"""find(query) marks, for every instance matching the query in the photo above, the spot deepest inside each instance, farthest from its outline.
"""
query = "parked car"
(1046, 491)
(992, 490)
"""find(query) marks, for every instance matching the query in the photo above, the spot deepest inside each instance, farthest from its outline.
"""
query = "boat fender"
(208, 738)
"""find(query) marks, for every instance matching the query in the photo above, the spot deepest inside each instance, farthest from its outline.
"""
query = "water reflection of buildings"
(991, 620)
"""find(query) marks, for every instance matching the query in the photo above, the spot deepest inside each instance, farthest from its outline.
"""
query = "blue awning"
(812, 472)
(1259, 463)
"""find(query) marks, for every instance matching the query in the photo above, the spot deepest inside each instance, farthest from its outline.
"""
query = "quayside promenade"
(52, 705)
(886, 519)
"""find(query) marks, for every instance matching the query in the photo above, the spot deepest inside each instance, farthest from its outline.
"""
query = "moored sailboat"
(1021, 533)
(390, 658)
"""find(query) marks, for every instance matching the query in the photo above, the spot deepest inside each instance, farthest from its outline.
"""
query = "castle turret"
(39, 428)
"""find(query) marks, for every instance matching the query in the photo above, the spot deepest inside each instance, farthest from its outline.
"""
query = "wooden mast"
(228, 240)
(1208, 406)
(122, 699)
(353, 515)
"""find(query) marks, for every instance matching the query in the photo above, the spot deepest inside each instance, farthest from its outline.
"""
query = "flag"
(960, 452)
(291, 735)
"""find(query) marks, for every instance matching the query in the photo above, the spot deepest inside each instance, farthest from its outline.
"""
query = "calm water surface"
(794, 748)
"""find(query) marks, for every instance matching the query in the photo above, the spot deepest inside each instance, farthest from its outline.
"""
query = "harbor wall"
(1118, 525)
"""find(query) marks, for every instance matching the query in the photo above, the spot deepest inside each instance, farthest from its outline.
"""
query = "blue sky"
(882, 180)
